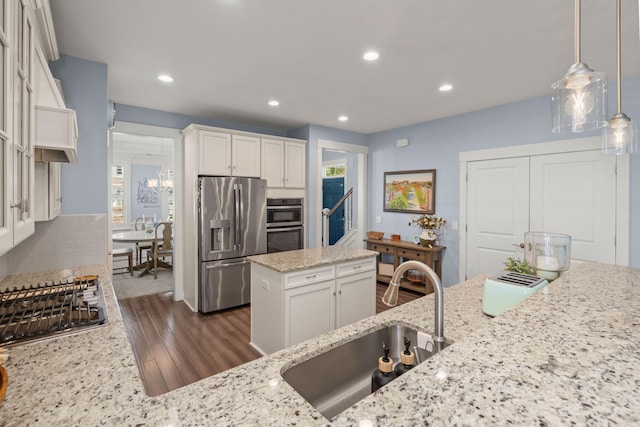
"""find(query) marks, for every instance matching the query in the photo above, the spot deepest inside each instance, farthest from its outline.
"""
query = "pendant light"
(620, 136)
(579, 101)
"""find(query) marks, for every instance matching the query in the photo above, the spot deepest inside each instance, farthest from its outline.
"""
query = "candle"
(548, 263)
(547, 267)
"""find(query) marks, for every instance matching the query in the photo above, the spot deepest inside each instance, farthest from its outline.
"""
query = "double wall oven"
(285, 224)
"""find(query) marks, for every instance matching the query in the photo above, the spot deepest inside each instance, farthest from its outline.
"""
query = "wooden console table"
(402, 251)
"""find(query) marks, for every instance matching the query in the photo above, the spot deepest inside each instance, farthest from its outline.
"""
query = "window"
(334, 171)
(117, 195)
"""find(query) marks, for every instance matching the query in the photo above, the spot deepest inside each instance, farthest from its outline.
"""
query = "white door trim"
(362, 152)
(178, 176)
(553, 147)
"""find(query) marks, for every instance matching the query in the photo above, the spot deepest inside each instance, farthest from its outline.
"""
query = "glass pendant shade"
(620, 136)
(579, 101)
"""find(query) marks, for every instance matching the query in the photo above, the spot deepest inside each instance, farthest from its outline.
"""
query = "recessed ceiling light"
(165, 78)
(274, 103)
(371, 56)
(445, 87)
(343, 118)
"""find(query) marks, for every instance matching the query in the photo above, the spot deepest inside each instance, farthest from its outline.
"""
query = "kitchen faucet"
(390, 297)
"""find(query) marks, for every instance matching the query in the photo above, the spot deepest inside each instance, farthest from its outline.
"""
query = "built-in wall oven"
(285, 224)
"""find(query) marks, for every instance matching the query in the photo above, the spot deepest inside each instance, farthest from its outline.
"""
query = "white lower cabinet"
(289, 308)
(356, 298)
(309, 311)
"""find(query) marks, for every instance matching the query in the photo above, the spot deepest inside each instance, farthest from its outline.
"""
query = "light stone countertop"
(302, 259)
(567, 355)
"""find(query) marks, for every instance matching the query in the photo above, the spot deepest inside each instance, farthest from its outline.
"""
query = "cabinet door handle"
(340, 291)
(18, 205)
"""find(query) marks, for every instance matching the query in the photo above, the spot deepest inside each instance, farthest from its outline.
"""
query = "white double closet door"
(572, 193)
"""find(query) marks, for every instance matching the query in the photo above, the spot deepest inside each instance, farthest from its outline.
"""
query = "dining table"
(138, 236)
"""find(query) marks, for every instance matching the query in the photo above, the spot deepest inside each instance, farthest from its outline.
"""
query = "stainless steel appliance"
(285, 224)
(232, 221)
(43, 310)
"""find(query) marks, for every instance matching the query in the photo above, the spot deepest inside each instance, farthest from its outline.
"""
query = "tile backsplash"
(64, 242)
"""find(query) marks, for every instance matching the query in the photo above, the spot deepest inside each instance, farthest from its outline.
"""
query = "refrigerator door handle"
(217, 264)
(239, 208)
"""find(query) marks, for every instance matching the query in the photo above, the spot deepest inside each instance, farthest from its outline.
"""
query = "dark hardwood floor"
(175, 346)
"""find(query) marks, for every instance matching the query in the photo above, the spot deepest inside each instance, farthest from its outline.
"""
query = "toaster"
(500, 293)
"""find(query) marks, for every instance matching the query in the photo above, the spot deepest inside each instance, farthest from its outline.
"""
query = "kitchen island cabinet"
(298, 295)
(561, 357)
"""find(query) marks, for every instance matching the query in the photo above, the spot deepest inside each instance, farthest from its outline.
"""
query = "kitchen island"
(567, 355)
(298, 295)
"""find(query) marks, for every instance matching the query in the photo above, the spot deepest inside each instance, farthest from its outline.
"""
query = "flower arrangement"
(430, 226)
(428, 222)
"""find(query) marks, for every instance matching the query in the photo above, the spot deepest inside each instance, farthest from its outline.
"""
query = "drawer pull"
(357, 267)
(313, 276)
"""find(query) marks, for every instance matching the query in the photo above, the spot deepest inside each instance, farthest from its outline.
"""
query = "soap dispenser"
(407, 359)
(384, 374)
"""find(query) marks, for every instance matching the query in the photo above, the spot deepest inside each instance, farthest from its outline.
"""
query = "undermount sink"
(335, 380)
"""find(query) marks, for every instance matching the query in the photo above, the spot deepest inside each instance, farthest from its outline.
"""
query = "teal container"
(503, 292)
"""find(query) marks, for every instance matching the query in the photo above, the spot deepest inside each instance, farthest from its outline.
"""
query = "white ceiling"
(229, 57)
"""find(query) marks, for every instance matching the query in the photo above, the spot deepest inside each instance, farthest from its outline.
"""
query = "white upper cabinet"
(273, 162)
(225, 154)
(6, 174)
(21, 178)
(48, 200)
(283, 163)
(295, 164)
(245, 156)
(214, 153)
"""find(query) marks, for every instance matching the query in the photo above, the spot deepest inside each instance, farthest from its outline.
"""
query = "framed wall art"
(410, 191)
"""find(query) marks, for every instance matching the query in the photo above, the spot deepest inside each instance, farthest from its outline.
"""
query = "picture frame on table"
(411, 191)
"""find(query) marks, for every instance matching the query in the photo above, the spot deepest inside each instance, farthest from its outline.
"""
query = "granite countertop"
(567, 355)
(302, 259)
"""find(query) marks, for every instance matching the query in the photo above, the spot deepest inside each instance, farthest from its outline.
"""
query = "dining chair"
(127, 253)
(140, 247)
(161, 248)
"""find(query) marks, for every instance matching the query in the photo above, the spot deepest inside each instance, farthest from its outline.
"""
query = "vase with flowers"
(430, 226)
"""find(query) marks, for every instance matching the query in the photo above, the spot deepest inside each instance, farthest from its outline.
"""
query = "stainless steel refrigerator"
(232, 221)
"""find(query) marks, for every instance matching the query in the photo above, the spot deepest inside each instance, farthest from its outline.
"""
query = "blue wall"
(436, 145)
(84, 184)
(433, 145)
(84, 83)
(315, 133)
(145, 116)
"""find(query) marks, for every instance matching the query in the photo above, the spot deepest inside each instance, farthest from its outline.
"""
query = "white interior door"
(497, 212)
(575, 194)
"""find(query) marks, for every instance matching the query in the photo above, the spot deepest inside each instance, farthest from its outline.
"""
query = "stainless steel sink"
(333, 381)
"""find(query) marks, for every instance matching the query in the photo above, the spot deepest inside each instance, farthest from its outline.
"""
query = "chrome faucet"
(390, 297)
